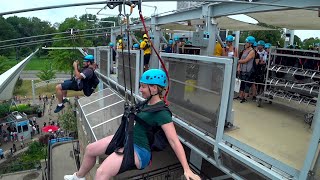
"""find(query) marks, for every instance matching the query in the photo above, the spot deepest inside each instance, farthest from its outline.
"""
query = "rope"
(128, 40)
(156, 51)
(123, 67)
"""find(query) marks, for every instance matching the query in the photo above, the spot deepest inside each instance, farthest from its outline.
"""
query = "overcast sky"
(58, 15)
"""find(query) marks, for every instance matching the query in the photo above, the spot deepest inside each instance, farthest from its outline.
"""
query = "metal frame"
(280, 169)
(138, 67)
(260, 155)
(218, 10)
(312, 154)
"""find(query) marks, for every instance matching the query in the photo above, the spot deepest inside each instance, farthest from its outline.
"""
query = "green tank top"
(152, 118)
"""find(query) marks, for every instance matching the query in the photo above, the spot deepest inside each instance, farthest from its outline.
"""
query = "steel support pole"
(33, 92)
(154, 62)
(237, 39)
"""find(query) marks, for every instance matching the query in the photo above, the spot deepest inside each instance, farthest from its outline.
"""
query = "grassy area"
(26, 90)
(37, 63)
(34, 64)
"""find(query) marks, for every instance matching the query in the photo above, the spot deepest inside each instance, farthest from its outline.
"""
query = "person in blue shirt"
(168, 49)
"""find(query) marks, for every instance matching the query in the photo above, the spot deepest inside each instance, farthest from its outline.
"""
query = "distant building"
(17, 122)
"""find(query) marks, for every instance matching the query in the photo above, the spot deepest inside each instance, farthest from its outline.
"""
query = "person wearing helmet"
(120, 44)
(218, 50)
(169, 48)
(246, 68)
(261, 60)
(114, 56)
(146, 47)
(152, 85)
(267, 47)
(262, 53)
(136, 46)
(230, 50)
(75, 83)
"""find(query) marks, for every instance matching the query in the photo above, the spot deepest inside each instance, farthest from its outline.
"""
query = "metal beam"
(180, 16)
(225, 9)
(262, 3)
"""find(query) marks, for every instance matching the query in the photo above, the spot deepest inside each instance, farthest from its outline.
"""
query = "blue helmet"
(154, 77)
(88, 57)
(261, 43)
(250, 39)
(111, 44)
(255, 44)
(229, 38)
(267, 45)
(136, 46)
(170, 42)
(176, 38)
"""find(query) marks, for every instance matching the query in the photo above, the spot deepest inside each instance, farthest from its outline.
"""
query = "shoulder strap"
(155, 108)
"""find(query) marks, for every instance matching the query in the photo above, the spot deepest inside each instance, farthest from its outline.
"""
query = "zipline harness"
(123, 138)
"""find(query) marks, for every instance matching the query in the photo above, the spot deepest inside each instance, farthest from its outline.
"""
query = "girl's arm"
(177, 147)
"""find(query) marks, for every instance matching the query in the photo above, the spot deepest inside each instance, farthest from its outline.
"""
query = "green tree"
(7, 31)
(270, 36)
(297, 40)
(3, 64)
(47, 73)
(68, 121)
(310, 42)
(36, 151)
(63, 59)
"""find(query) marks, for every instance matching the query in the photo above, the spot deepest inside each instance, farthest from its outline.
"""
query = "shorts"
(144, 156)
(70, 85)
(146, 59)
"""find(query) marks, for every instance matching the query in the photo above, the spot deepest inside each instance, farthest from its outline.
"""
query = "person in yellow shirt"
(146, 47)
(120, 44)
(218, 51)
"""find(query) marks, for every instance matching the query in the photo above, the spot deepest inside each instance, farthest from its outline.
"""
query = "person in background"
(246, 68)
(146, 47)
(261, 66)
(218, 51)
(169, 48)
(230, 50)
(136, 46)
(120, 44)
(114, 56)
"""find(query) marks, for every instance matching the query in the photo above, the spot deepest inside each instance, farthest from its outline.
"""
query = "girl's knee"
(58, 87)
(102, 173)
(90, 148)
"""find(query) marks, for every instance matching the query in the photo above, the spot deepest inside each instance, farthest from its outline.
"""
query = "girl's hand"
(191, 176)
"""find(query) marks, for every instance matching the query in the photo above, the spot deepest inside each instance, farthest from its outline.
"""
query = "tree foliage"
(310, 42)
(68, 121)
(63, 59)
(272, 36)
(3, 64)
(47, 73)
